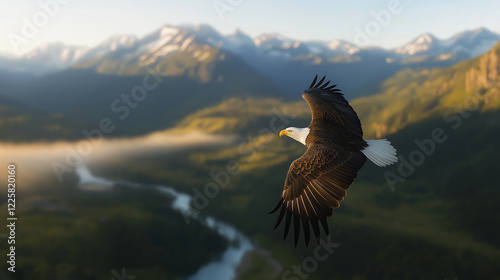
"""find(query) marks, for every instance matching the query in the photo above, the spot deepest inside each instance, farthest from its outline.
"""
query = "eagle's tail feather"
(380, 152)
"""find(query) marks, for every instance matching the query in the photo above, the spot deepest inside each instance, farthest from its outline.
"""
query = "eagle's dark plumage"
(317, 181)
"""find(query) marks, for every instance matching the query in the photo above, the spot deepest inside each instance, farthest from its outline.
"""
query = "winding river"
(221, 269)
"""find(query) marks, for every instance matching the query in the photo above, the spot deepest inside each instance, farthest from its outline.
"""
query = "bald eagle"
(317, 181)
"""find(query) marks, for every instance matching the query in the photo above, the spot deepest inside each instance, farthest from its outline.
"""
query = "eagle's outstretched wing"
(331, 112)
(315, 184)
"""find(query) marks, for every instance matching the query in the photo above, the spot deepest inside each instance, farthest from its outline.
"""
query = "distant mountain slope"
(88, 96)
(173, 51)
(244, 116)
(359, 70)
(47, 58)
(415, 95)
(466, 44)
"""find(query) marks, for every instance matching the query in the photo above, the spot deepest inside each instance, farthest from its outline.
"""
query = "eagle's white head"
(298, 134)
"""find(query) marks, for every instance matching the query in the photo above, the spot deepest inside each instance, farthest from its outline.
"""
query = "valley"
(189, 108)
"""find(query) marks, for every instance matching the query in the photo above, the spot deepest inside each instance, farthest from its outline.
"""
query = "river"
(221, 269)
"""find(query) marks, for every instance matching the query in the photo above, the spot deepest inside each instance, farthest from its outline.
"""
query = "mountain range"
(467, 44)
(169, 39)
(289, 63)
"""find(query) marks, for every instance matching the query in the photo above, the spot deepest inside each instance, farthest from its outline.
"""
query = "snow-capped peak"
(343, 46)
(111, 44)
(478, 33)
(421, 44)
(239, 42)
(168, 30)
(117, 41)
(273, 40)
(470, 43)
(475, 42)
(57, 54)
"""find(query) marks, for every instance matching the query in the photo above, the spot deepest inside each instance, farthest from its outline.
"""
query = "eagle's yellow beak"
(283, 132)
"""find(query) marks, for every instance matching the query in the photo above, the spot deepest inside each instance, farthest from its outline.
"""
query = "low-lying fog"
(38, 160)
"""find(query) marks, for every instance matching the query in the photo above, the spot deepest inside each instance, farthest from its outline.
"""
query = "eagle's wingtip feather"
(321, 85)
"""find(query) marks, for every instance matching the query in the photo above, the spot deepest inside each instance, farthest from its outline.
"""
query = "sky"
(26, 24)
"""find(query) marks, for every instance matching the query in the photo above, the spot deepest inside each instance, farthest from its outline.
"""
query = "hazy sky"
(88, 22)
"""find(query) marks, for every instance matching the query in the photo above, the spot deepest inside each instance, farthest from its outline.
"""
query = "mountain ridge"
(193, 50)
(421, 94)
(468, 43)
